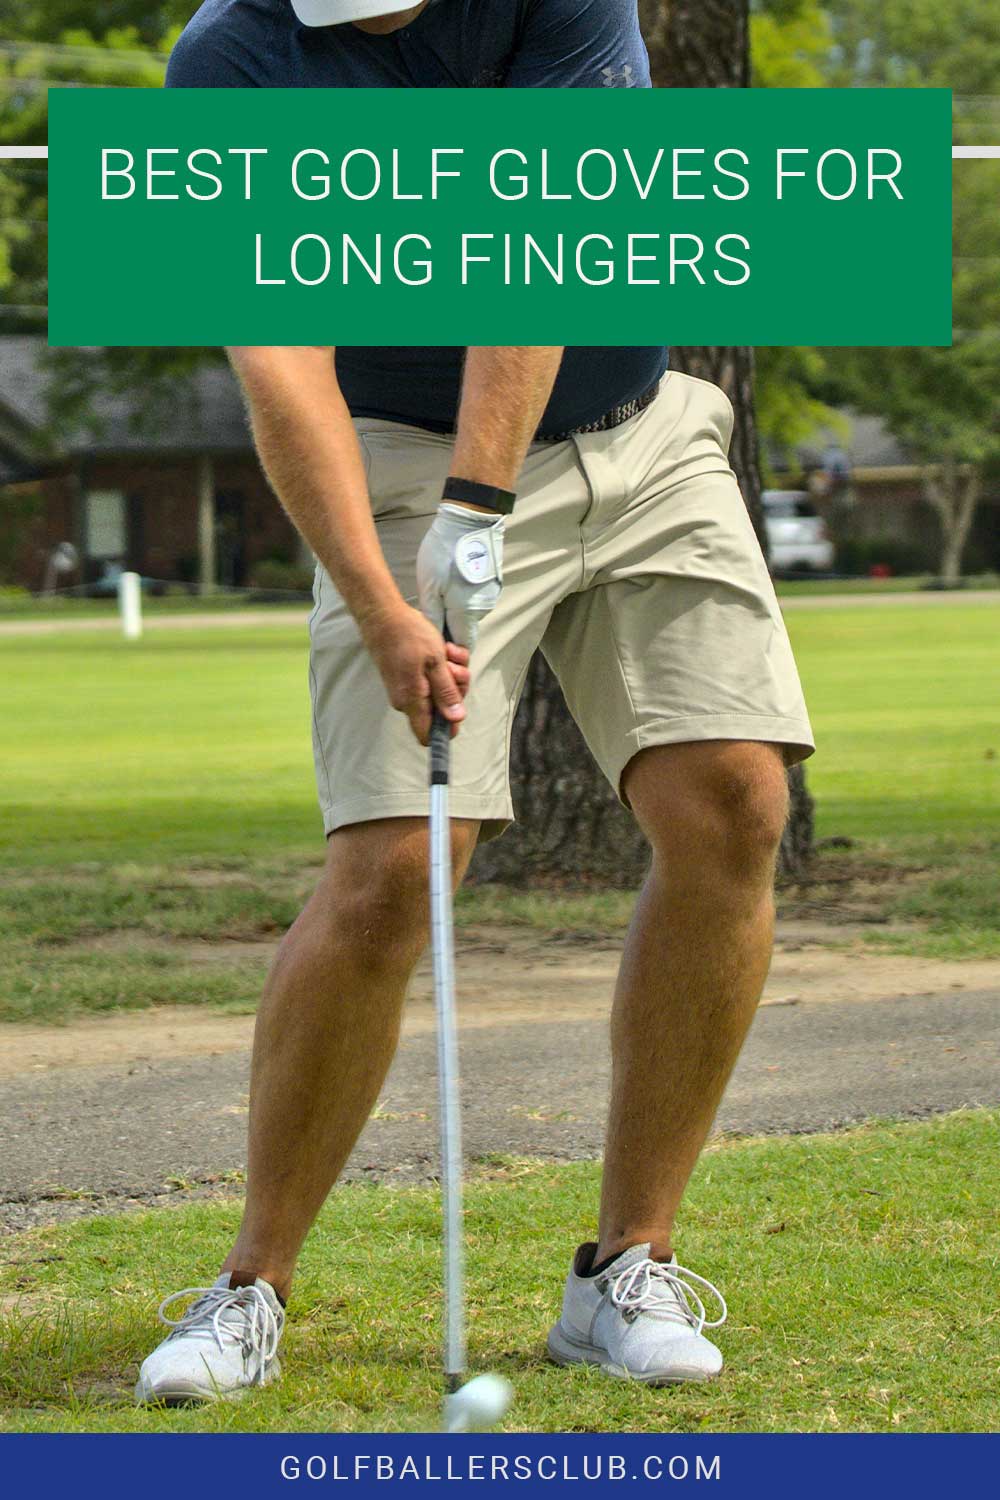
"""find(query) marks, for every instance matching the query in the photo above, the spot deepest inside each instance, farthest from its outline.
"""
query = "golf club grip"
(440, 740)
(440, 749)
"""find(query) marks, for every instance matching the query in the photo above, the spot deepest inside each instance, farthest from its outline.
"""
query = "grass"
(16, 606)
(789, 588)
(158, 796)
(931, 898)
(192, 746)
(907, 732)
(857, 1266)
(159, 811)
(195, 746)
(131, 937)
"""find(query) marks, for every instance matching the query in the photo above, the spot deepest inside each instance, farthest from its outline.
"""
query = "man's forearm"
(310, 452)
(504, 394)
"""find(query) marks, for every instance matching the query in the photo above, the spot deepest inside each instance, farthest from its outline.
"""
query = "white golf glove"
(460, 570)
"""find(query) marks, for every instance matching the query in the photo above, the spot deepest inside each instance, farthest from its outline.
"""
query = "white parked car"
(796, 533)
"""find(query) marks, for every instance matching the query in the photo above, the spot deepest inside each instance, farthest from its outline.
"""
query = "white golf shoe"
(639, 1319)
(223, 1344)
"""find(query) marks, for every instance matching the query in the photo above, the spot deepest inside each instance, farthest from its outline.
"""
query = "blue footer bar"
(300, 1465)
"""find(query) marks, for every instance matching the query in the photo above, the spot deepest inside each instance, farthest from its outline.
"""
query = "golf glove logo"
(460, 570)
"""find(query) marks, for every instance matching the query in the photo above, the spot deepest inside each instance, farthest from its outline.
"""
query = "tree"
(916, 44)
(571, 823)
(943, 405)
(789, 46)
(953, 489)
(789, 43)
(31, 64)
(47, 48)
(50, 21)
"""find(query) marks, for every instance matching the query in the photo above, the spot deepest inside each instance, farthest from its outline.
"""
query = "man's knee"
(375, 889)
(725, 801)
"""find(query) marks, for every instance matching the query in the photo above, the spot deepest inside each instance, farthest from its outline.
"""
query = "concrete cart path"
(134, 1130)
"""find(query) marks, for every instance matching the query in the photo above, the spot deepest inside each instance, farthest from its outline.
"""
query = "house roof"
(205, 416)
(866, 443)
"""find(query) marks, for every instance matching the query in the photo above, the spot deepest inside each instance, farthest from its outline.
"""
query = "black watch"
(468, 492)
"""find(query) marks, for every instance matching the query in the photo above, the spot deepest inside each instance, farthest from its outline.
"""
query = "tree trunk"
(697, 44)
(570, 823)
(953, 489)
(951, 559)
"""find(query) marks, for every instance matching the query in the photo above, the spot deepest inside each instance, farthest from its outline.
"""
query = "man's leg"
(693, 969)
(327, 1030)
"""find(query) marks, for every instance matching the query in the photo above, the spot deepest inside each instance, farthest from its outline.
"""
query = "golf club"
(482, 1402)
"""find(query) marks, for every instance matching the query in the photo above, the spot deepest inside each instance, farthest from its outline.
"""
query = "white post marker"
(130, 605)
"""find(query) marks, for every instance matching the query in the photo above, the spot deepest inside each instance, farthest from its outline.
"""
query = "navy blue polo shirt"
(451, 44)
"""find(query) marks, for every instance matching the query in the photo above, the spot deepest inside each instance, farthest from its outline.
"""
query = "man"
(576, 500)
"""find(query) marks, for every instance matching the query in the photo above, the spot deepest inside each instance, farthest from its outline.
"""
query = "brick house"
(178, 499)
(182, 499)
(882, 510)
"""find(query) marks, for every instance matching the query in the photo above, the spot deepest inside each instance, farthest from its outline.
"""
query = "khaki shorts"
(630, 560)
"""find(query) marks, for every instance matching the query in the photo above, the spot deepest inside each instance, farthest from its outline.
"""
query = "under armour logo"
(618, 78)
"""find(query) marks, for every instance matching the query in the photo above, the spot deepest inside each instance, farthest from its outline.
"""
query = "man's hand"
(419, 670)
(460, 570)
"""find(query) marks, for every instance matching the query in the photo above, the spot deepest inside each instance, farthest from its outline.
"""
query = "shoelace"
(206, 1316)
(652, 1286)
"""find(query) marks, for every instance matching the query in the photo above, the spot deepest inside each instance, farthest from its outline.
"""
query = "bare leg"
(694, 966)
(327, 1030)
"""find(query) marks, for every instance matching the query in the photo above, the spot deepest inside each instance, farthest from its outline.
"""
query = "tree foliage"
(790, 41)
(942, 404)
(31, 64)
(52, 20)
(915, 44)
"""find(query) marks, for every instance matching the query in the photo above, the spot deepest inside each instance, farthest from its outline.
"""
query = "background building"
(176, 495)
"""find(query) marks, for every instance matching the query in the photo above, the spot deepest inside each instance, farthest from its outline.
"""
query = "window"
(106, 524)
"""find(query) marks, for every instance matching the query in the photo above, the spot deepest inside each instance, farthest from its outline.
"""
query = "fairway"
(186, 745)
(904, 705)
(195, 745)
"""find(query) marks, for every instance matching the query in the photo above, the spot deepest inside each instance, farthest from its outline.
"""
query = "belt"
(613, 418)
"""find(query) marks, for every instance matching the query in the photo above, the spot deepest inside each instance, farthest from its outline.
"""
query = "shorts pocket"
(406, 471)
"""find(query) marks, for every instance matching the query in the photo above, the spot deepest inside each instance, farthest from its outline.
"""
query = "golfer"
(576, 500)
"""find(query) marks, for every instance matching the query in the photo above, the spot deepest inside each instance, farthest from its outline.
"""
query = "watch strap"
(469, 492)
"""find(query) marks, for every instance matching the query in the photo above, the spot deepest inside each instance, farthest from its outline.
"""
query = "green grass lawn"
(17, 604)
(860, 1270)
(817, 587)
(20, 607)
(904, 707)
(187, 746)
(195, 746)
(163, 790)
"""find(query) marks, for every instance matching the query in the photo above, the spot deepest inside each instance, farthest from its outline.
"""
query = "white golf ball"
(479, 1404)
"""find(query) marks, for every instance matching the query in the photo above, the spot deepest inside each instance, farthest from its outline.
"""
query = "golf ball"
(479, 1405)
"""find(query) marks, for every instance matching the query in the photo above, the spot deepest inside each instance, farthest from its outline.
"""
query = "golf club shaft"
(443, 945)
